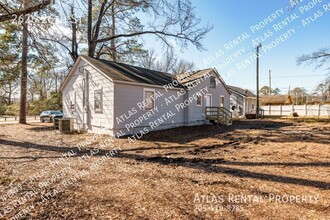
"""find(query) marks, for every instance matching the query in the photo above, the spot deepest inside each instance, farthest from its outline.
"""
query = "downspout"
(86, 101)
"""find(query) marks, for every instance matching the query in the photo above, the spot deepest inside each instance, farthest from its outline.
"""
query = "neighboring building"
(276, 100)
(119, 99)
(242, 102)
(317, 100)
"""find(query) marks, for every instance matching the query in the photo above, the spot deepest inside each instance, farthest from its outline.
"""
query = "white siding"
(240, 104)
(104, 118)
(127, 96)
(119, 98)
(74, 88)
(197, 114)
(96, 120)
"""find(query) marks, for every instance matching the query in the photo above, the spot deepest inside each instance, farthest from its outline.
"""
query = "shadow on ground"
(206, 165)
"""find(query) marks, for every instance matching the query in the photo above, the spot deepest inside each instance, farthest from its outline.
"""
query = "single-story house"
(276, 100)
(242, 102)
(120, 99)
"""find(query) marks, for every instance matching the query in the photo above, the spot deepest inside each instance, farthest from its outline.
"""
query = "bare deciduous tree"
(170, 64)
(7, 13)
(318, 58)
(171, 20)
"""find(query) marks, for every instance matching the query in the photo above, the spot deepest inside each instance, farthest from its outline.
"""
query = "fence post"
(292, 110)
(280, 110)
(319, 111)
(305, 109)
(269, 110)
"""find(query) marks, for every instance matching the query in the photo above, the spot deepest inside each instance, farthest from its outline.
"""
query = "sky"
(249, 22)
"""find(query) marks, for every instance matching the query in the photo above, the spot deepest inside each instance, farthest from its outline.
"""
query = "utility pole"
(270, 82)
(257, 111)
(289, 93)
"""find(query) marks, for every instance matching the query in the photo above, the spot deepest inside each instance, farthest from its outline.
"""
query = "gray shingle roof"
(129, 73)
(242, 91)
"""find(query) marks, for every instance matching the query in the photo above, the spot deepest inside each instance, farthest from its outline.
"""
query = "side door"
(208, 101)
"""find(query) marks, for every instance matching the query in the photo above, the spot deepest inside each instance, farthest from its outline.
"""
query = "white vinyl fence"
(301, 110)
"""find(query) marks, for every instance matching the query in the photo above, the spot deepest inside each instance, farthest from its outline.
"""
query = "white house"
(242, 102)
(120, 99)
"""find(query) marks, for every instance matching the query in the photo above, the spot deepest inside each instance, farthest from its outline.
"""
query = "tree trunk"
(10, 93)
(74, 45)
(91, 43)
(113, 33)
(22, 113)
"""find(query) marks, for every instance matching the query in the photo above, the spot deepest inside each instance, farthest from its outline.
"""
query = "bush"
(3, 108)
(34, 107)
(12, 110)
(38, 106)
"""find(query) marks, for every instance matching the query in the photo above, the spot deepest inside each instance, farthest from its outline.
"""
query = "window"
(149, 100)
(98, 100)
(73, 102)
(212, 82)
(252, 106)
(199, 101)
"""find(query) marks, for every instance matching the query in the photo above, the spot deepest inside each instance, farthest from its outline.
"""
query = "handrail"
(223, 115)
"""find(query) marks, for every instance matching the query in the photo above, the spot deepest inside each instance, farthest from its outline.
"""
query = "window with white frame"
(199, 101)
(98, 100)
(149, 100)
(213, 82)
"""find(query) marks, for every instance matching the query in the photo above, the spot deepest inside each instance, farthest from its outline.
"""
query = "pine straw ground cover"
(184, 173)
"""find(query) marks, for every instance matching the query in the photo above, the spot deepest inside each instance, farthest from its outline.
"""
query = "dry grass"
(159, 176)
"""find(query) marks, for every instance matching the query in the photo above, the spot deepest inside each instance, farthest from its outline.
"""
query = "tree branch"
(28, 10)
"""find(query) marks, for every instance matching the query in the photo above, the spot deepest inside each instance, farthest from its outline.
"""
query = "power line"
(298, 76)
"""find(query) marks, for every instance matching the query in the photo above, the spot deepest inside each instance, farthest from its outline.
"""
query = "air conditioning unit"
(65, 125)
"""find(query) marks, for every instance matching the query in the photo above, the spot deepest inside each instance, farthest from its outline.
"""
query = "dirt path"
(250, 170)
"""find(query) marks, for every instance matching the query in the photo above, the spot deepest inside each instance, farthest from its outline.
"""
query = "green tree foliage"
(9, 59)
(265, 91)
(54, 102)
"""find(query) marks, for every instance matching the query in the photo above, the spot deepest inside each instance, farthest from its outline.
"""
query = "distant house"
(276, 100)
(317, 100)
(242, 101)
(120, 99)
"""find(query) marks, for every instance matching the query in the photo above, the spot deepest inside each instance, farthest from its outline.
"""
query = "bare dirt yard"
(265, 169)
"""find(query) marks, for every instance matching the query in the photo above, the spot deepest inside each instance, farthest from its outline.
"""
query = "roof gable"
(241, 91)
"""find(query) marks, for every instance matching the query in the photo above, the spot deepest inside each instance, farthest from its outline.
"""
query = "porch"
(220, 115)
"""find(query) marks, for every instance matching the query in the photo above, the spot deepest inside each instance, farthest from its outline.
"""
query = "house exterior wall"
(196, 114)
(239, 102)
(121, 112)
(251, 106)
(127, 100)
(244, 105)
(74, 92)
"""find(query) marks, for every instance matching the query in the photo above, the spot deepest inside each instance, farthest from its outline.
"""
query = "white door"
(208, 101)
(222, 101)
